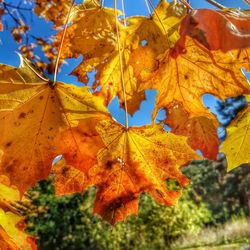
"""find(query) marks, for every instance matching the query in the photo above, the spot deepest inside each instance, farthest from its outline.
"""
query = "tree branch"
(16, 7)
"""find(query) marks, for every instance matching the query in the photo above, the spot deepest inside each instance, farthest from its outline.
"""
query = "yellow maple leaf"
(237, 143)
(111, 48)
(190, 70)
(32, 113)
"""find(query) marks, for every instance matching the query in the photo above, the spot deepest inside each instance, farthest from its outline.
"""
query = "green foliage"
(227, 195)
(67, 222)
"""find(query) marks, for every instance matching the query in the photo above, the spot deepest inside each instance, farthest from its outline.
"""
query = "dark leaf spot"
(22, 115)
(8, 144)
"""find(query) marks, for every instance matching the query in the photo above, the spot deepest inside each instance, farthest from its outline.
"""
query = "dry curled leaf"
(206, 25)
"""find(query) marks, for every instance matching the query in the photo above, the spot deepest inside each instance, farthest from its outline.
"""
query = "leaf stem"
(149, 11)
(121, 64)
(61, 43)
(216, 4)
(17, 7)
(188, 6)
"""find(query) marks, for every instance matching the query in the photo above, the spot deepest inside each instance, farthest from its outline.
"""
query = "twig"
(186, 3)
(17, 7)
(11, 15)
(121, 65)
(247, 2)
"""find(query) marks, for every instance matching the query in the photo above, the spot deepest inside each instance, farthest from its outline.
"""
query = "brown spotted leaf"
(133, 161)
(67, 179)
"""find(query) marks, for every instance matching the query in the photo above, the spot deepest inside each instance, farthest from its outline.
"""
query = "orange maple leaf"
(206, 26)
(32, 113)
(132, 161)
(201, 129)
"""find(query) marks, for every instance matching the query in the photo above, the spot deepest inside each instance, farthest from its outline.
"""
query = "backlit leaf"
(206, 25)
(133, 161)
(96, 39)
(201, 129)
(190, 70)
(32, 113)
(237, 143)
(67, 179)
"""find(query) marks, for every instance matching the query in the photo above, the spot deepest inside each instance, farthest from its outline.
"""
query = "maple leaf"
(201, 129)
(12, 235)
(206, 25)
(190, 70)
(132, 161)
(112, 51)
(32, 113)
(236, 145)
(92, 35)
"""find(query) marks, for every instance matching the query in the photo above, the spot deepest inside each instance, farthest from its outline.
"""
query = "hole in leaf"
(56, 159)
(142, 116)
(144, 42)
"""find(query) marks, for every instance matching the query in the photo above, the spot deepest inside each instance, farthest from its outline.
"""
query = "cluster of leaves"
(67, 222)
(177, 52)
(18, 18)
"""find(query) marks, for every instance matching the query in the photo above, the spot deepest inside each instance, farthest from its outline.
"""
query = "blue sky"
(137, 7)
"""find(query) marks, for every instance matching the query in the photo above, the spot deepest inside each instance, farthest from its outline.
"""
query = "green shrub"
(67, 222)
